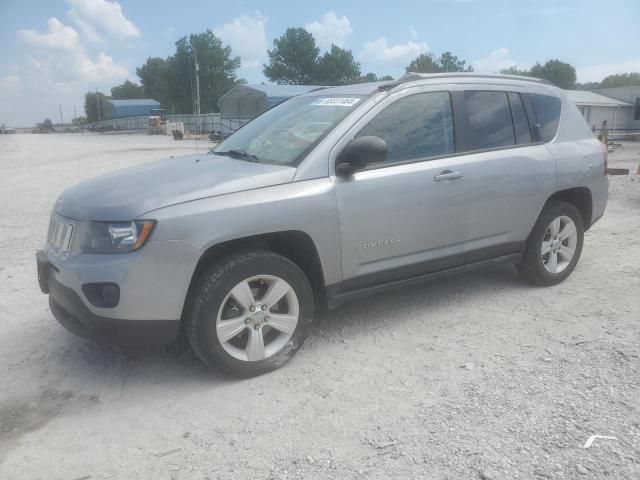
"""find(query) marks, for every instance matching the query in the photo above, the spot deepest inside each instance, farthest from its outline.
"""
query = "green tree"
(217, 69)
(515, 71)
(423, 63)
(171, 81)
(559, 73)
(91, 100)
(588, 86)
(621, 80)
(127, 90)
(448, 62)
(158, 80)
(293, 59)
(372, 77)
(337, 67)
(369, 77)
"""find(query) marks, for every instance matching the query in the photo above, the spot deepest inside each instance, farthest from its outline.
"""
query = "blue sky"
(54, 51)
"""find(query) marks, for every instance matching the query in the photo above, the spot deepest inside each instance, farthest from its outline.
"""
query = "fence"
(204, 123)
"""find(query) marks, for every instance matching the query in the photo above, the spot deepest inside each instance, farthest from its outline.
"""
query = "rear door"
(508, 174)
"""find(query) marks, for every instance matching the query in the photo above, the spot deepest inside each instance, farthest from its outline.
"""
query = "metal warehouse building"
(244, 102)
(129, 108)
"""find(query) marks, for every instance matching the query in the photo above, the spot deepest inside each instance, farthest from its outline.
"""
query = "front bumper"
(69, 309)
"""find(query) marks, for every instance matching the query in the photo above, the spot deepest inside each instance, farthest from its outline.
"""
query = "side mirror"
(359, 153)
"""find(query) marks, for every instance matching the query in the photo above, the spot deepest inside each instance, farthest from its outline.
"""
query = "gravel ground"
(473, 376)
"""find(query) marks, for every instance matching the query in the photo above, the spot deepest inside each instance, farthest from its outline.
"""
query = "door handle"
(448, 175)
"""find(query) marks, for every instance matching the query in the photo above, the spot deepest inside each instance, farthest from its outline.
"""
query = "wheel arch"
(294, 245)
(579, 197)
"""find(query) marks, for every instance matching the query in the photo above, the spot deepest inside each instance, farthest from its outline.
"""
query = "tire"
(537, 267)
(225, 318)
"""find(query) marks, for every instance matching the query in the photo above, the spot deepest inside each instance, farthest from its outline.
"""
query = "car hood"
(127, 194)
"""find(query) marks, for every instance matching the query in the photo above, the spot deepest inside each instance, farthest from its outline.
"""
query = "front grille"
(60, 236)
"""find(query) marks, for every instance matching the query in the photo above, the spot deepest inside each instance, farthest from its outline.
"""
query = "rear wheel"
(554, 245)
(250, 313)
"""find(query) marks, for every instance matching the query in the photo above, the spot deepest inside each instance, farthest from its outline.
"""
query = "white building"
(629, 118)
(596, 108)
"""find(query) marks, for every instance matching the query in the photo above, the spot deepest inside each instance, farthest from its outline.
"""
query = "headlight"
(114, 237)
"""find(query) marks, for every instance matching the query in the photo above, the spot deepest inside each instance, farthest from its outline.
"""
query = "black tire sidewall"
(216, 285)
(532, 259)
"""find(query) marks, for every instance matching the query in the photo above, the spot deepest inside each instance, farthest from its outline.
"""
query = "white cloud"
(58, 36)
(101, 16)
(59, 56)
(413, 32)
(10, 83)
(55, 69)
(596, 73)
(494, 62)
(247, 37)
(330, 30)
(380, 53)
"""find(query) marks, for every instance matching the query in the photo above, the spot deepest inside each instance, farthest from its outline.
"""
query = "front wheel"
(250, 313)
(554, 245)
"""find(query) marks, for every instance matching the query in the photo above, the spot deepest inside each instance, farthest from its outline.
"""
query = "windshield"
(287, 132)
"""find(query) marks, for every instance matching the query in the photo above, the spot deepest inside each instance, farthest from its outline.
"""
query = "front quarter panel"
(306, 206)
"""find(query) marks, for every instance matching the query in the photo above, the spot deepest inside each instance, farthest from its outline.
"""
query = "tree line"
(295, 59)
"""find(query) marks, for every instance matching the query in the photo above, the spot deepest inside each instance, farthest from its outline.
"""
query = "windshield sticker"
(336, 101)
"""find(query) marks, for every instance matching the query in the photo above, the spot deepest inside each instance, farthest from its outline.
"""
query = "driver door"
(409, 215)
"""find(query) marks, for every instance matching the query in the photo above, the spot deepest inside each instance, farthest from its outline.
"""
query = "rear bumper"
(599, 198)
(72, 313)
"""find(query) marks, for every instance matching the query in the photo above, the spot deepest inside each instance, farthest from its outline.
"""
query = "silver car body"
(377, 227)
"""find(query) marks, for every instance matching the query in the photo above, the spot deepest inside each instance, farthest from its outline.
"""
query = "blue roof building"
(130, 108)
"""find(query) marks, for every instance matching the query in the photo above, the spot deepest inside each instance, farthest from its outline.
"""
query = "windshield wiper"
(242, 154)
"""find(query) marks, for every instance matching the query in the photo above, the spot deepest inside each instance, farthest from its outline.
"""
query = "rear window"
(489, 119)
(547, 110)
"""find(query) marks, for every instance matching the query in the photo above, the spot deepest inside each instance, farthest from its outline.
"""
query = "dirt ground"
(473, 376)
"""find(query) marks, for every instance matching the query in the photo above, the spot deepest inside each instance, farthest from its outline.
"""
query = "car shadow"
(178, 366)
(382, 309)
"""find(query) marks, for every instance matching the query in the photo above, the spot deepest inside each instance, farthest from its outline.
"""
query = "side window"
(415, 127)
(547, 110)
(520, 122)
(490, 124)
(636, 110)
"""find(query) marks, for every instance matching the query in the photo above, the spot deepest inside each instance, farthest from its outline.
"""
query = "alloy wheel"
(559, 244)
(257, 318)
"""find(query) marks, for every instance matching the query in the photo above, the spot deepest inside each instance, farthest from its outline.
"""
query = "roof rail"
(414, 76)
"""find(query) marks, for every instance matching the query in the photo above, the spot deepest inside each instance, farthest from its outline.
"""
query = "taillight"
(605, 154)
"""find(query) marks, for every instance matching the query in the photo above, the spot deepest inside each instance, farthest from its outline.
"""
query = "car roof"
(416, 79)
(368, 88)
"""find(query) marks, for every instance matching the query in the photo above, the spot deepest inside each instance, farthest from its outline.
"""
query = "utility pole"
(197, 88)
(60, 107)
(98, 102)
(75, 115)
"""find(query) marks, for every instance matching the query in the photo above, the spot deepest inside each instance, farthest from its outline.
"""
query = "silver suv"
(332, 195)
